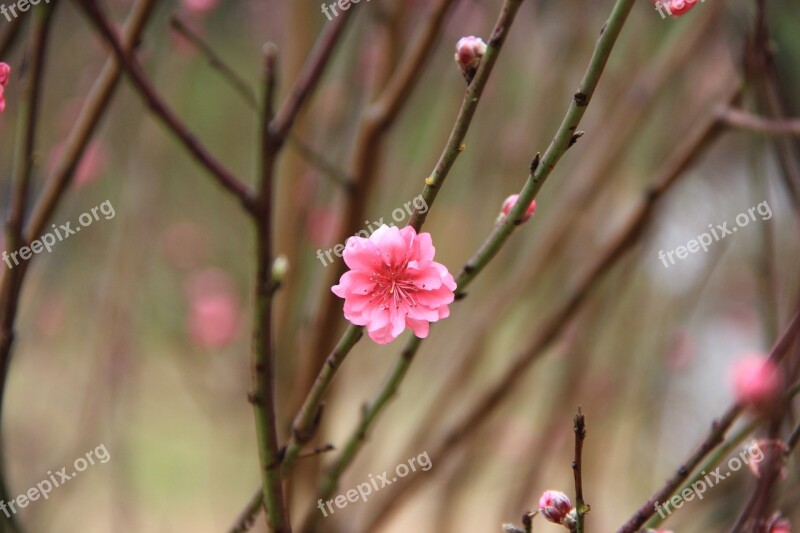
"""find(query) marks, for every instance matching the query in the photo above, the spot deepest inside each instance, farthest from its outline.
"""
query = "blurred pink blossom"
(394, 283)
(199, 7)
(756, 381)
(214, 310)
(91, 166)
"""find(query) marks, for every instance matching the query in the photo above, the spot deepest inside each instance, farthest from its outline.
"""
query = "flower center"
(393, 290)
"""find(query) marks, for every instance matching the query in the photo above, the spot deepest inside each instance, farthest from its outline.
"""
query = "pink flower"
(756, 381)
(394, 283)
(555, 506)
(5, 71)
(511, 201)
(469, 51)
(676, 8)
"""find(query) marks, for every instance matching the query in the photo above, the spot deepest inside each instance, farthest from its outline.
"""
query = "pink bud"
(469, 51)
(5, 71)
(676, 8)
(555, 506)
(756, 381)
(779, 524)
(509, 203)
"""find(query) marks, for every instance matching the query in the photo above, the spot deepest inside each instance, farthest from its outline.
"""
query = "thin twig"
(742, 119)
(24, 160)
(160, 109)
(581, 508)
(10, 35)
(309, 77)
(237, 82)
(263, 395)
(714, 438)
(558, 147)
(242, 87)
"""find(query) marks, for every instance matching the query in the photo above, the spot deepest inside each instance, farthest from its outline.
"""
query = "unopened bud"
(5, 70)
(469, 51)
(556, 507)
(511, 201)
(279, 269)
(778, 524)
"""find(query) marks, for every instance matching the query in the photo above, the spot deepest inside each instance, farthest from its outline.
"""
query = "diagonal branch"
(160, 109)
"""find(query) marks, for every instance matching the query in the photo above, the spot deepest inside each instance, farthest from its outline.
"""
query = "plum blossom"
(5, 70)
(394, 283)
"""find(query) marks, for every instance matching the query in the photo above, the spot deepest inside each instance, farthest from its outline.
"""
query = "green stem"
(488, 250)
(563, 139)
(330, 480)
(304, 424)
(713, 460)
(27, 130)
(263, 396)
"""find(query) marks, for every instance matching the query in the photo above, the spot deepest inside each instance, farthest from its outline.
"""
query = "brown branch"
(240, 85)
(237, 82)
(716, 436)
(263, 368)
(160, 109)
(309, 76)
(10, 36)
(742, 119)
(30, 106)
(579, 428)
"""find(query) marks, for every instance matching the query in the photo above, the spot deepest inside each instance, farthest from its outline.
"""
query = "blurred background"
(134, 333)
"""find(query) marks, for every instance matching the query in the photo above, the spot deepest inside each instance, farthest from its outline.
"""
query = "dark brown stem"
(160, 109)
(263, 368)
(579, 427)
(742, 119)
(716, 436)
(236, 81)
(309, 76)
(30, 106)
